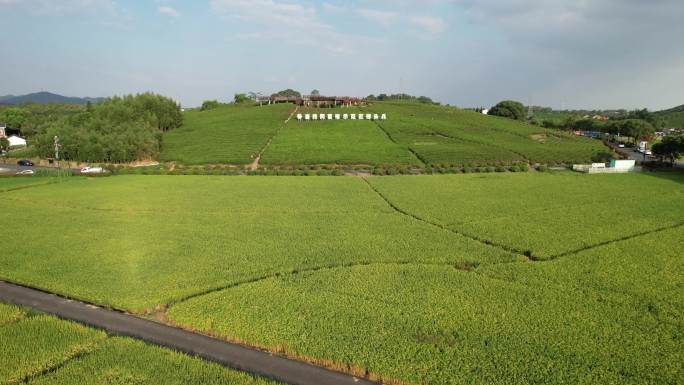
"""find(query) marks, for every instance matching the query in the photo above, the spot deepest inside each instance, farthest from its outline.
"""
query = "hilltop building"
(315, 100)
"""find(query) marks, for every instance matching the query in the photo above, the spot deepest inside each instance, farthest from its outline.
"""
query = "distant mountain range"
(45, 98)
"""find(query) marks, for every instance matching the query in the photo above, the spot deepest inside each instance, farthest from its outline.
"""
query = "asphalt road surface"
(230, 355)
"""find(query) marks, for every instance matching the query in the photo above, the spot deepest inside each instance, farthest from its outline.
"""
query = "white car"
(26, 172)
(648, 152)
(92, 170)
(621, 145)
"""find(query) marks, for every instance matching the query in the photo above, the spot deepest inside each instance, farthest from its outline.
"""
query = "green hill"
(673, 117)
(227, 134)
(414, 134)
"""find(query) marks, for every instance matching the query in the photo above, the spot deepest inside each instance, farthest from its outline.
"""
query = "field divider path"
(234, 356)
(255, 165)
(410, 150)
(625, 238)
(525, 254)
(31, 186)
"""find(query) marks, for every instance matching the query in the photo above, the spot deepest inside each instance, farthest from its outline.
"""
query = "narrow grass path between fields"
(625, 238)
(421, 161)
(255, 164)
(33, 185)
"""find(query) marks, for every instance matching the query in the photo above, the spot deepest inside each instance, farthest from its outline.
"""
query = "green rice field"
(506, 278)
(40, 349)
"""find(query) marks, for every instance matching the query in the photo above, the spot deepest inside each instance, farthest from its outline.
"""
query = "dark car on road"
(25, 162)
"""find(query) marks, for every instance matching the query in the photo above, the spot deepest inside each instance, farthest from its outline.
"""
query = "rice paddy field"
(510, 278)
(40, 349)
(413, 135)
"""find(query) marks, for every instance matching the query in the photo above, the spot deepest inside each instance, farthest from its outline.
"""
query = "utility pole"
(57, 146)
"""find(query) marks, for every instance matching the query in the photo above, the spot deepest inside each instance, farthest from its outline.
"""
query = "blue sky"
(560, 53)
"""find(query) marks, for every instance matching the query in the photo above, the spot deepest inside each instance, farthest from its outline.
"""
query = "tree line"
(119, 129)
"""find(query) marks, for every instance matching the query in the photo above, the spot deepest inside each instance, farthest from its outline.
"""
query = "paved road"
(11, 169)
(230, 355)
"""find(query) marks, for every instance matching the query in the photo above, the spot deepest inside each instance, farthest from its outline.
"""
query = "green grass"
(9, 183)
(125, 361)
(40, 349)
(437, 135)
(35, 344)
(379, 275)
(547, 214)
(447, 135)
(228, 134)
(136, 242)
(335, 142)
(439, 325)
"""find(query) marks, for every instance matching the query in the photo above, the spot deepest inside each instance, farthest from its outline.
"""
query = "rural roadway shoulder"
(230, 355)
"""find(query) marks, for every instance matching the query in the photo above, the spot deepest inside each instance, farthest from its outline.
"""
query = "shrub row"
(323, 170)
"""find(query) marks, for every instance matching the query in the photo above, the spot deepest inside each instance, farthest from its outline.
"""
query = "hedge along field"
(228, 134)
(544, 214)
(40, 349)
(137, 242)
(447, 135)
(597, 319)
(335, 142)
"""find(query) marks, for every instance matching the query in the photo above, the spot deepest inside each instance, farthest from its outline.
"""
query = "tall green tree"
(15, 117)
(241, 98)
(288, 92)
(4, 144)
(509, 109)
(671, 148)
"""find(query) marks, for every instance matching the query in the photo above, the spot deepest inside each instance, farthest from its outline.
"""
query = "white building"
(15, 141)
(2, 130)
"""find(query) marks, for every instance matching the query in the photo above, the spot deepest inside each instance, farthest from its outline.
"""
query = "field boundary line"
(31, 186)
(409, 149)
(231, 355)
(506, 248)
(616, 240)
(255, 164)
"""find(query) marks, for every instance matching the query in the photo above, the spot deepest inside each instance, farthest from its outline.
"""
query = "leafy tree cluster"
(120, 129)
(288, 92)
(642, 114)
(382, 97)
(4, 144)
(209, 105)
(241, 98)
(15, 117)
(671, 148)
(509, 109)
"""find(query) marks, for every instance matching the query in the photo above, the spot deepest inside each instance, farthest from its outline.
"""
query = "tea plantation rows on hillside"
(414, 134)
(497, 278)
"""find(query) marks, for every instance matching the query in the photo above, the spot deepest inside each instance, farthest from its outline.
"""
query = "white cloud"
(385, 18)
(429, 24)
(291, 23)
(61, 7)
(433, 25)
(170, 11)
